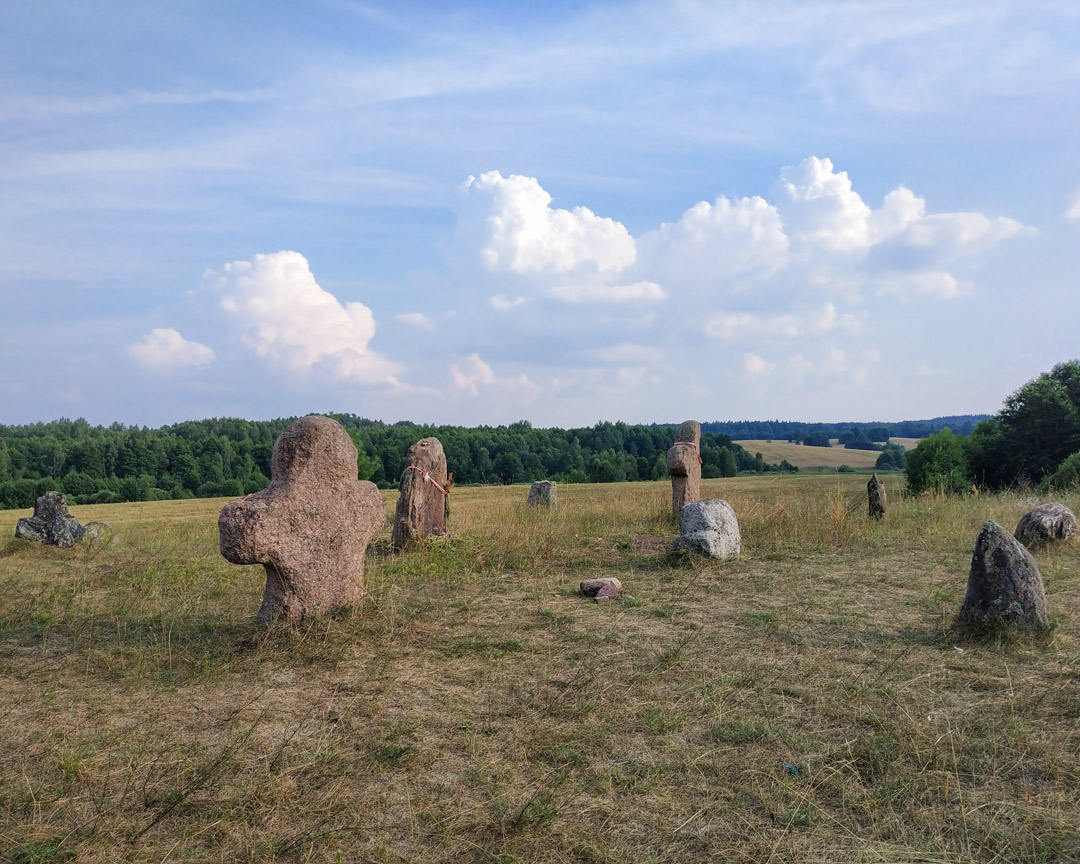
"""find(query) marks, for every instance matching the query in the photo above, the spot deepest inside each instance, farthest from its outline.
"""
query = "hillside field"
(804, 702)
(804, 457)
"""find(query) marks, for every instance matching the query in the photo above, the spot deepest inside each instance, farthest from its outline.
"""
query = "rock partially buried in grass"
(544, 493)
(875, 493)
(310, 527)
(96, 532)
(684, 466)
(710, 528)
(422, 502)
(51, 523)
(607, 588)
(1004, 586)
(1046, 524)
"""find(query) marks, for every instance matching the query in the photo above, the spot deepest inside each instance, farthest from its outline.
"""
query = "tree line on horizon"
(231, 457)
(1033, 442)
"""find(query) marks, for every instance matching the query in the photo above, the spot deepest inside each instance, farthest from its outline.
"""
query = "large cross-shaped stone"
(310, 527)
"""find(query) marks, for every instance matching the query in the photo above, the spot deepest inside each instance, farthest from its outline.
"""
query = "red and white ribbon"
(689, 444)
(427, 477)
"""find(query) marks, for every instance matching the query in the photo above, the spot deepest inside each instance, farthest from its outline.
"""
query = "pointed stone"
(422, 502)
(875, 493)
(1004, 585)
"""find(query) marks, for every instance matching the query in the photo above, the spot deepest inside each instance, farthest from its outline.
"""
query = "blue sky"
(478, 213)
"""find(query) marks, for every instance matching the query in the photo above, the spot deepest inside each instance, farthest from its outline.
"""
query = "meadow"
(811, 458)
(805, 702)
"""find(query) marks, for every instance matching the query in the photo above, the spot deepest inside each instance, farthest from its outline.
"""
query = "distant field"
(802, 456)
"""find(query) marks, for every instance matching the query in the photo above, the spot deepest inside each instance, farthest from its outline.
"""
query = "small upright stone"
(710, 528)
(1004, 586)
(310, 527)
(684, 466)
(875, 492)
(1045, 524)
(421, 506)
(544, 493)
(51, 523)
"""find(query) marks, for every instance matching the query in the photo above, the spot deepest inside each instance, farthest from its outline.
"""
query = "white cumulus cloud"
(164, 348)
(521, 233)
(1073, 213)
(644, 291)
(473, 375)
(756, 365)
(283, 315)
(416, 319)
(726, 327)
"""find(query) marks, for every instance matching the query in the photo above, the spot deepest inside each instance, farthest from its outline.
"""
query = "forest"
(231, 457)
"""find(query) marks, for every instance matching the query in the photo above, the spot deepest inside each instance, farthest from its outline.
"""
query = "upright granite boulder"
(421, 507)
(875, 493)
(310, 527)
(1004, 586)
(1046, 524)
(51, 523)
(684, 466)
(710, 528)
(544, 493)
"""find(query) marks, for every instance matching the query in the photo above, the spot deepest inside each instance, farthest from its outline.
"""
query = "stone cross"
(1004, 586)
(544, 493)
(875, 493)
(684, 465)
(422, 503)
(310, 527)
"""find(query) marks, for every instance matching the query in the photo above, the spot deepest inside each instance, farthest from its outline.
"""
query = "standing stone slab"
(544, 493)
(1004, 586)
(684, 466)
(710, 528)
(875, 493)
(310, 527)
(51, 523)
(1045, 524)
(421, 506)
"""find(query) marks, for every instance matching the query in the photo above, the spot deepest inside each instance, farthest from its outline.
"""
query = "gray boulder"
(51, 523)
(607, 588)
(1004, 586)
(710, 528)
(96, 532)
(544, 493)
(1045, 524)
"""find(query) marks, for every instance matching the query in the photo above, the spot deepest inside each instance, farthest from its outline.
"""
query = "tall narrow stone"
(310, 527)
(1004, 586)
(421, 507)
(875, 493)
(684, 466)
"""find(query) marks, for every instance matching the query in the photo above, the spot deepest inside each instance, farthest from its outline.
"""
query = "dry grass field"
(804, 457)
(802, 703)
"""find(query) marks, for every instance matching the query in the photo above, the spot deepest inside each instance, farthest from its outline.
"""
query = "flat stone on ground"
(607, 588)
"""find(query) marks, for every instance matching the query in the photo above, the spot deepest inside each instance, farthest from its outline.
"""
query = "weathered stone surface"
(421, 506)
(1045, 524)
(1004, 586)
(96, 532)
(310, 527)
(544, 493)
(875, 493)
(51, 523)
(709, 527)
(684, 466)
(607, 588)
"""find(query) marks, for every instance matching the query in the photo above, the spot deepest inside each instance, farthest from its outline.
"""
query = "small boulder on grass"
(710, 528)
(544, 493)
(1046, 524)
(51, 523)
(607, 588)
(1004, 586)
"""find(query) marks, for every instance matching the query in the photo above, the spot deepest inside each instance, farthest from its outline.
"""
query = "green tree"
(938, 463)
